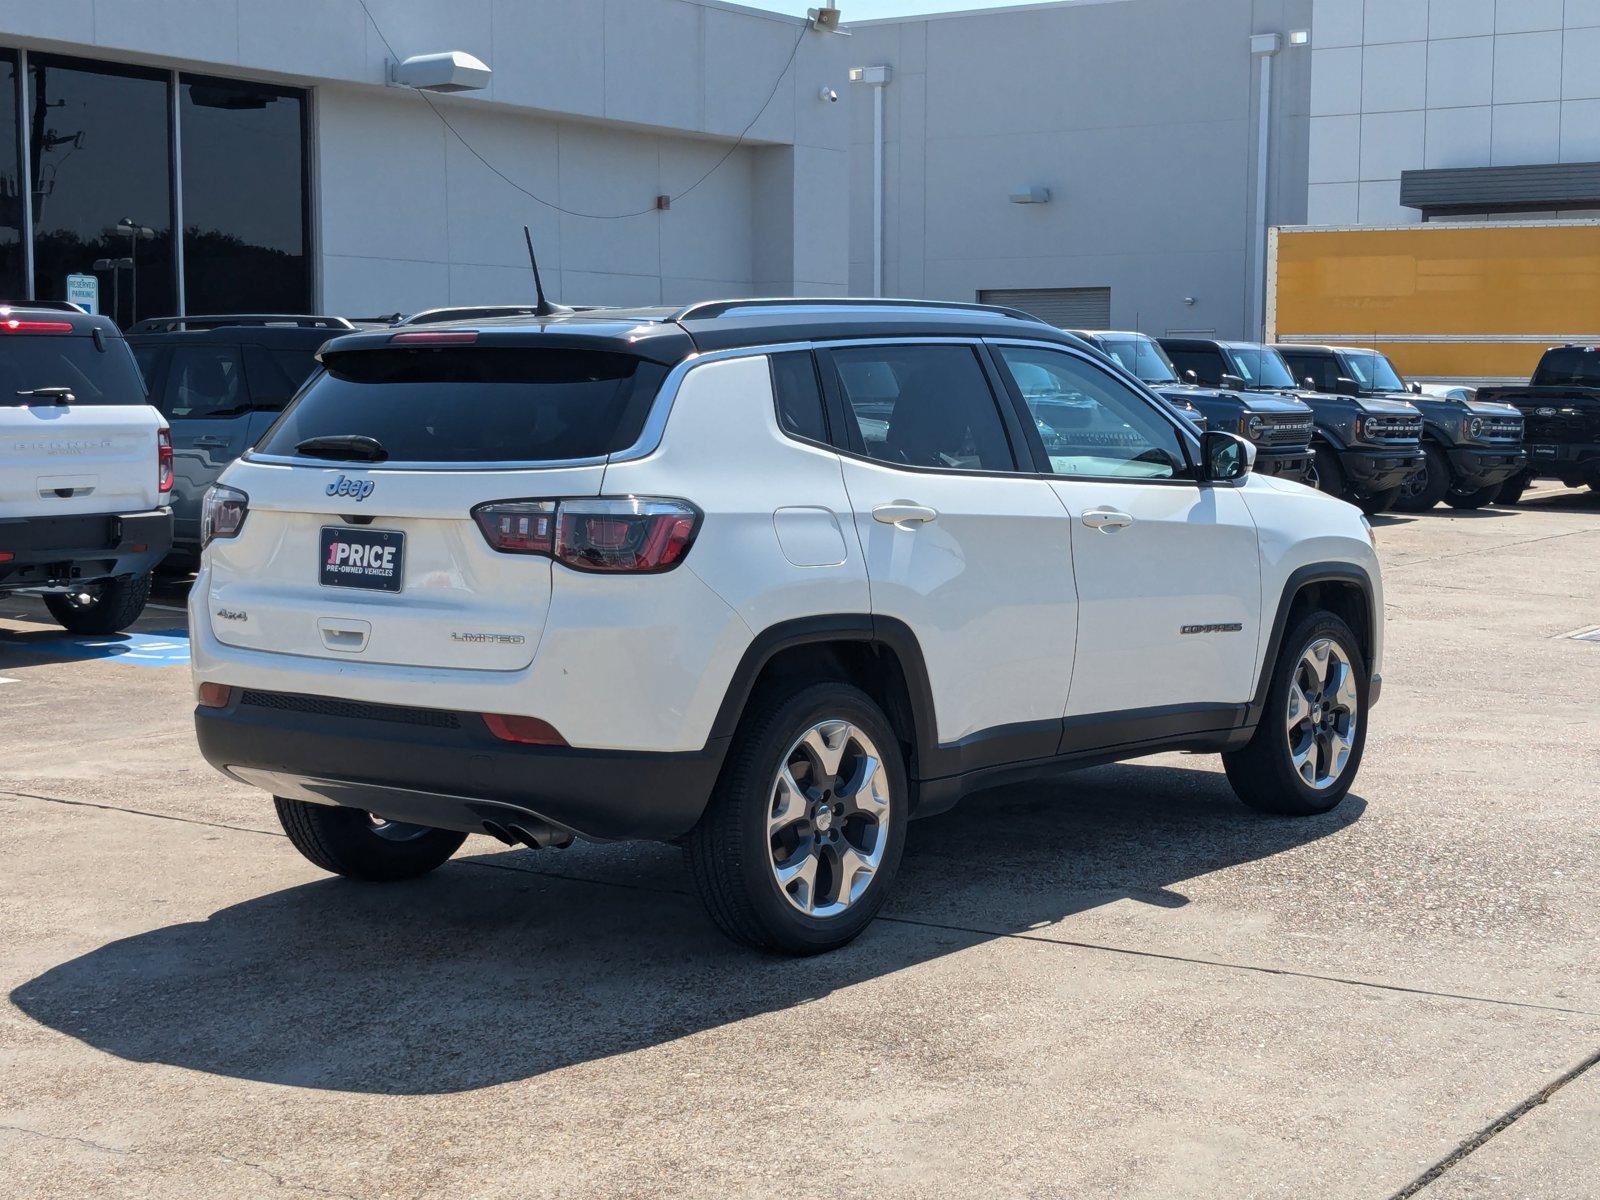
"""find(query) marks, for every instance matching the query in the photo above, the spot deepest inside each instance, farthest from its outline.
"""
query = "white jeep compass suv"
(764, 578)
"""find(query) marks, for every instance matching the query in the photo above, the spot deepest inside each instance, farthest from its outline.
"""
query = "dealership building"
(1102, 162)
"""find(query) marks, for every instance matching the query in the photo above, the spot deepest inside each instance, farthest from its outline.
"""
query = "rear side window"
(1577, 366)
(1205, 362)
(483, 404)
(1321, 369)
(275, 375)
(923, 406)
(799, 399)
(92, 375)
(204, 382)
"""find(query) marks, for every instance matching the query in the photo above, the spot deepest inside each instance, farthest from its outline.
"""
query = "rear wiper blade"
(61, 395)
(356, 446)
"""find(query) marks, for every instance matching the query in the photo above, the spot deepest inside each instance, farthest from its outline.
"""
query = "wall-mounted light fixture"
(1031, 195)
(451, 71)
(1299, 37)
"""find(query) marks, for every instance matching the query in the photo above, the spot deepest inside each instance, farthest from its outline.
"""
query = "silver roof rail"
(711, 310)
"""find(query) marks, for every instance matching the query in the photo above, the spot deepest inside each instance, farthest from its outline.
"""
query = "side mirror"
(1225, 456)
(1191, 376)
(1345, 386)
(1310, 383)
(1416, 389)
(1236, 382)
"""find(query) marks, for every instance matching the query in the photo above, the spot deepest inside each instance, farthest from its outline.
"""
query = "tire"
(821, 736)
(1424, 488)
(115, 605)
(1473, 498)
(1511, 490)
(1264, 774)
(1377, 502)
(356, 845)
(1330, 476)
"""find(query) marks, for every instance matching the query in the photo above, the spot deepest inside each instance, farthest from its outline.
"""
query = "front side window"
(1091, 423)
(1205, 362)
(1374, 372)
(204, 381)
(923, 406)
(1320, 369)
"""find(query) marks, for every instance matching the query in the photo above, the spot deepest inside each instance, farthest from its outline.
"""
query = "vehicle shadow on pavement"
(502, 967)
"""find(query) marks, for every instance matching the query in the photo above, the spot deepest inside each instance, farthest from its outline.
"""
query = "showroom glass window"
(244, 197)
(100, 150)
(11, 189)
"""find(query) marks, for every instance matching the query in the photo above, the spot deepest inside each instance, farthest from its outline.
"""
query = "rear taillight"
(222, 513)
(435, 337)
(608, 534)
(15, 325)
(164, 461)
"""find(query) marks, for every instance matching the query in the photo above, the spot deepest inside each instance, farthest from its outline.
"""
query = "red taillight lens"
(610, 534)
(529, 731)
(164, 460)
(214, 695)
(436, 337)
(518, 526)
(15, 325)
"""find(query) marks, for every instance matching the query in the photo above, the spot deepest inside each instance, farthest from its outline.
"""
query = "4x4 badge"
(359, 488)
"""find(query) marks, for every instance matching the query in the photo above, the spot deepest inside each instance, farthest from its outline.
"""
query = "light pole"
(114, 265)
(134, 232)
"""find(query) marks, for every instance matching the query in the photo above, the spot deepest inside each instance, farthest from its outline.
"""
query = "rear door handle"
(209, 440)
(903, 514)
(1107, 520)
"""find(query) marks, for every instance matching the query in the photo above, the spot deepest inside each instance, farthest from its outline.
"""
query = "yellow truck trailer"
(1468, 302)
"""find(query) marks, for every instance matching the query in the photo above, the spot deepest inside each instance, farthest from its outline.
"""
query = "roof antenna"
(544, 307)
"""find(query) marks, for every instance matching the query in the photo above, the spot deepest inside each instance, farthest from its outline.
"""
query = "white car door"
(1167, 567)
(969, 551)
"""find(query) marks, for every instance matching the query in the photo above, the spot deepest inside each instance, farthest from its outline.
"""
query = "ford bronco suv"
(1469, 448)
(762, 578)
(85, 468)
(1561, 405)
(1365, 448)
(1280, 426)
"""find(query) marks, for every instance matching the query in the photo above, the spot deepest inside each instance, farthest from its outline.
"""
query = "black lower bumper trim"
(451, 772)
(1379, 470)
(1477, 467)
(1289, 464)
(1573, 463)
(82, 548)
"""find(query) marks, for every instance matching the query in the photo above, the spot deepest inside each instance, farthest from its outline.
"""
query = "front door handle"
(1107, 520)
(903, 514)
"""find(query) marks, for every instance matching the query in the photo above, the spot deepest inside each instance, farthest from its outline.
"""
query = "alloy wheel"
(1323, 713)
(828, 820)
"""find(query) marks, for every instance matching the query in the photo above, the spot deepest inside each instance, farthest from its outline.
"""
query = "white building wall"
(1410, 84)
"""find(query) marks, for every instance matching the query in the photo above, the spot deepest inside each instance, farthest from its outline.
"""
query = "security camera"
(828, 94)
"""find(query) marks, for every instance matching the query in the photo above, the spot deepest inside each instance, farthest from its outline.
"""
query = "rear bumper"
(48, 551)
(445, 769)
(1371, 471)
(1481, 467)
(1571, 462)
(1290, 464)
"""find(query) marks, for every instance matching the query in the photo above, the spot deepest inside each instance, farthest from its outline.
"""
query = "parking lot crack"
(1496, 1127)
(139, 812)
(71, 1139)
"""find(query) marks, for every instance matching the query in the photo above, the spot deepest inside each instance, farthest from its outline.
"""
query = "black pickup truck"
(1561, 414)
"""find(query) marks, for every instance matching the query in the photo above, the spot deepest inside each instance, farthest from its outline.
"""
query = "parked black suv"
(1561, 405)
(1365, 447)
(1280, 426)
(220, 381)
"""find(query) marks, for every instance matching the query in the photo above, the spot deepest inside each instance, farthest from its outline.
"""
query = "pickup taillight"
(164, 461)
(638, 535)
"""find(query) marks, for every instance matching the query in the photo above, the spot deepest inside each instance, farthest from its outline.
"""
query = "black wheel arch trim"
(1299, 579)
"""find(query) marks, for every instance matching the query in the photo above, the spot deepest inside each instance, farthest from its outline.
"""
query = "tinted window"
(276, 375)
(1142, 357)
(1577, 366)
(1374, 371)
(1091, 423)
(1205, 362)
(799, 399)
(11, 188)
(923, 406)
(204, 381)
(475, 405)
(1321, 369)
(148, 357)
(1260, 367)
(95, 376)
(244, 241)
(100, 154)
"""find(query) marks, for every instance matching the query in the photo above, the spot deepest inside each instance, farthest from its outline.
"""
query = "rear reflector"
(529, 731)
(214, 695)
(15, 325)
(435, 337)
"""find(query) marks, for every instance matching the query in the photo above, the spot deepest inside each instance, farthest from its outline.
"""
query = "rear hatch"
(359, 541)
(77, 434)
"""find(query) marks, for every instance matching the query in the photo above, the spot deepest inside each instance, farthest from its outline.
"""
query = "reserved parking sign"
(84, 291)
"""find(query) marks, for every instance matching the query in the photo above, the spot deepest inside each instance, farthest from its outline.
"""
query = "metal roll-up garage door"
(1066, 308)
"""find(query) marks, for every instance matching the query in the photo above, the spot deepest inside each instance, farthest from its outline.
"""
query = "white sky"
(867, 10)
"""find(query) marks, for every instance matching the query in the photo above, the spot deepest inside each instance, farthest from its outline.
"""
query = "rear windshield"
(46, 360)
(488, 404)
(1575, 367)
